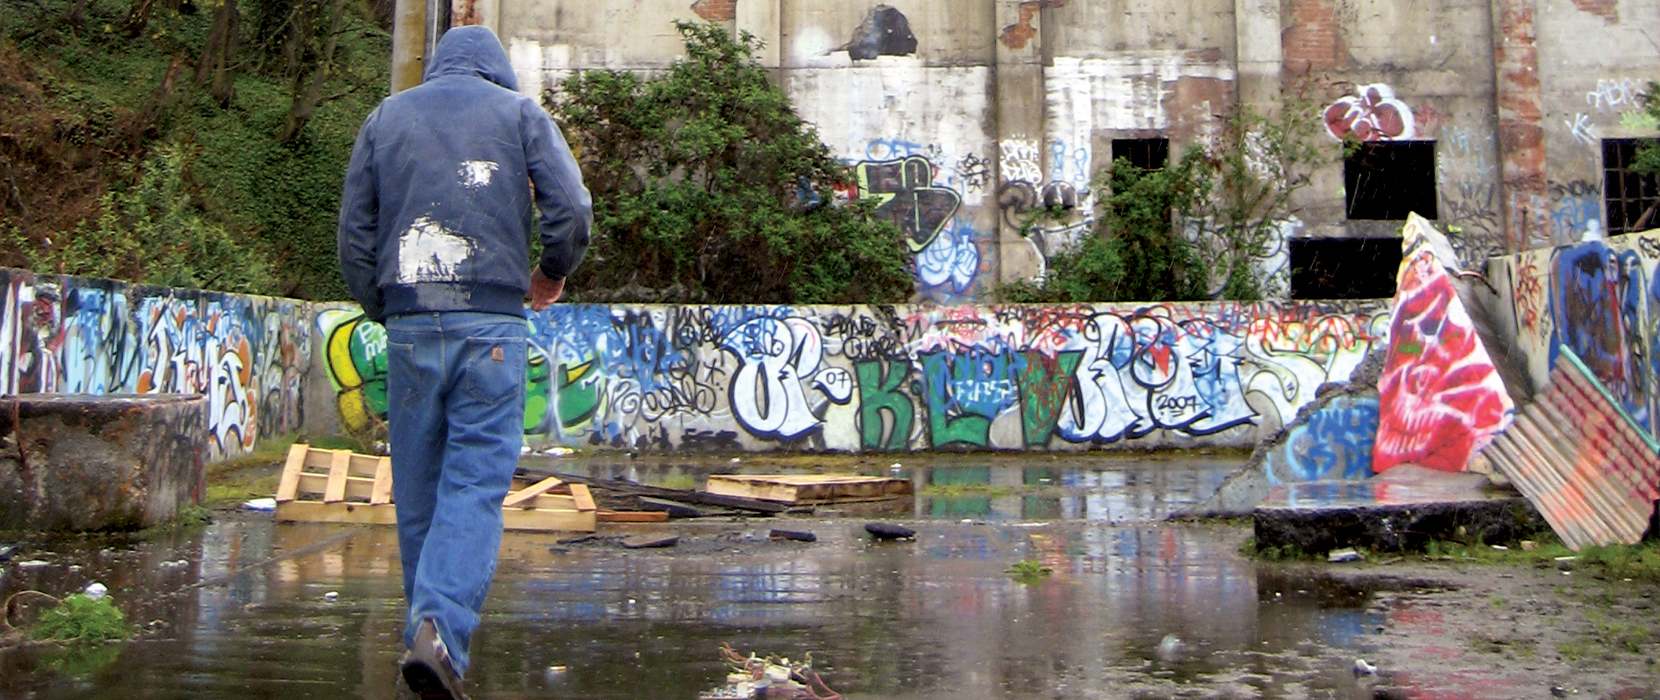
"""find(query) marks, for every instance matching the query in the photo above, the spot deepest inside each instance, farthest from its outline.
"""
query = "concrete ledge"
(107, 462)
(1317, 517)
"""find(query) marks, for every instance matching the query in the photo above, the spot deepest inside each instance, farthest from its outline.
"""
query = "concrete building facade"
(1508, 122)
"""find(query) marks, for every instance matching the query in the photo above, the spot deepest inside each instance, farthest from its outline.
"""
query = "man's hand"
(543, 291)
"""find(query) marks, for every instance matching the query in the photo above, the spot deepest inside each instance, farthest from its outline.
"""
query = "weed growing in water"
(81, 619)
(1029, 572)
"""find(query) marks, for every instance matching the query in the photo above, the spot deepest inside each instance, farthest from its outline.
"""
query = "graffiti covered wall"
(882, 378)
(1600, 299)
(249, 355)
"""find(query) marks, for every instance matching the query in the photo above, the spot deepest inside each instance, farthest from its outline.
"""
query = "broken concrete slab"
(111, 462)
(1395, 512)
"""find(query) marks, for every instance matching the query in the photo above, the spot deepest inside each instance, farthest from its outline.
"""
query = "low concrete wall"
(898, 378)
(82, 462)
(250, 356)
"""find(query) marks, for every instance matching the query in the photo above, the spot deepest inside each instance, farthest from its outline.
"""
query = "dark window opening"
(1386, 180)
(1147, 154)
(1630, 198)
(1344, 268)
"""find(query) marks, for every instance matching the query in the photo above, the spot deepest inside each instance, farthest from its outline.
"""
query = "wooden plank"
(632, 516)
(339, 468)
(807, 488)
(746, 488)
(537, 489)
(584, 499)
(548, 520)
(359, 488)
(290, 482)
(357, 513)
(382, 493)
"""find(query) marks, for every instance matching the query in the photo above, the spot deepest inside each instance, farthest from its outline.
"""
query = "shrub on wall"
(708, 187)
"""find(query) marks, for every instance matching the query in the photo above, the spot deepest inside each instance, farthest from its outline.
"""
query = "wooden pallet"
(339, 486)
(808, 489)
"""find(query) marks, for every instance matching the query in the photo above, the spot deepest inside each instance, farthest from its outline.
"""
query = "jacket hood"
(472, 50)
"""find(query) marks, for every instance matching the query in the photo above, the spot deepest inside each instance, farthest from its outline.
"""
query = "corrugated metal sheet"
(1581, 460)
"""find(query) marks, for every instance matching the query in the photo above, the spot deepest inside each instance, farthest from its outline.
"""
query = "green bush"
(708, 187)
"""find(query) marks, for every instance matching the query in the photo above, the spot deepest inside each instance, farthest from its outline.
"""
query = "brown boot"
(427, 669)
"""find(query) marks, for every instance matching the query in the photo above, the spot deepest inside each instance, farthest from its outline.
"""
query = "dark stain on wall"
(885, 32)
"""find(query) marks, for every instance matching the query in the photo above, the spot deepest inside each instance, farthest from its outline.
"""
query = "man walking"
(433, 242)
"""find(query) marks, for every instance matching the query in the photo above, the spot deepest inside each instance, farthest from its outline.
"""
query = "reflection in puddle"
(936, 617)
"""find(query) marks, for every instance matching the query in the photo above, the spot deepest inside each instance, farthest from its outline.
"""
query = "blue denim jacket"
(436, 214)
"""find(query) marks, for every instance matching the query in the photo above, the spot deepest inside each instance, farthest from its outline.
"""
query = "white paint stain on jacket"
(476, 173)
(427, 252)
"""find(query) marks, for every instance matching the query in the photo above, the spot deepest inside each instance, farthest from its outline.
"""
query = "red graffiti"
(1441, 398)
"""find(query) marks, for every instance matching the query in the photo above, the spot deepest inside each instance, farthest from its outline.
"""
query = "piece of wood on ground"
(630, 488)
(517, 498)
(584, 499)
(808, 488)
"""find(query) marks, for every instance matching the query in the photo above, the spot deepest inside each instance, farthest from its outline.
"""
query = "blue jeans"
(456, 402)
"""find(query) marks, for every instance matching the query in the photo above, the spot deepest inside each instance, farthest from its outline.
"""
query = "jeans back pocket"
(495, 368)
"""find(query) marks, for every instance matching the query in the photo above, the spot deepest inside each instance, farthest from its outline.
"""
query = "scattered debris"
(629, 488)
(579, 539)
(331, 596)
(1364, 669)
(6, 551)
(558, 452)
(96, 590)
(753, 678)
(32, 564)
(1343, 555)
(263, 505)
(796, 535)
(650, 541)
(1529, 545)
(889, 531)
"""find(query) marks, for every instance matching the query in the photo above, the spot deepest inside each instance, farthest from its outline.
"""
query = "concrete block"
(112, 462)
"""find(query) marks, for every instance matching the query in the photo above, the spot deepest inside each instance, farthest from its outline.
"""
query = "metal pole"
(409, 21)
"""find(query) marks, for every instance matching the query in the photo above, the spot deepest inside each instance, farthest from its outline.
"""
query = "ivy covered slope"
(198, 143)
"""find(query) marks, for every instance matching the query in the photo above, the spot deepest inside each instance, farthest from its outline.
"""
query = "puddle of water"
(934, 618)
(1121, 490)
